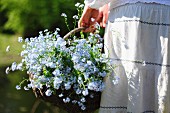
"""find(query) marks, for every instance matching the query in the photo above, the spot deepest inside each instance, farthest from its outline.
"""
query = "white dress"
(138, 40)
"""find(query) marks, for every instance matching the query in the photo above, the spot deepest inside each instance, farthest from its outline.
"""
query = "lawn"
(6, 58)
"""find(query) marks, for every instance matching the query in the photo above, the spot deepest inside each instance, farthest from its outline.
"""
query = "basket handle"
(73, 31)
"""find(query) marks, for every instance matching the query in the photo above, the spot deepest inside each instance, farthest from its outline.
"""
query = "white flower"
(81, 6)
(103, 74)
(95, 69)
(30, 85)
(86, 75)
(83, 60)
(14, 66)
(66, 100)
(67, 85)
(46, 30)
(35, 76)
(7, 70)
(60, 95)
(58, 80)
(20, 39)
(79, 67)
(60, 42)
(92, 86)
(80, 103)
(75, 58)
(101, 86)
(77, 4)
(19, 66)
(85, 92)
(100, 45)
(64, 15)
(57, 29)
(82, 41)
(8, 49)
(18, 87)
(83, 107)
(52, 65)
(97, 36)
(43, 79)
(75, 17)
(83, 99)
(38, 85)
(89, 62)
(80, 80)
(68, 70)
(26, 40)
(74, 101)
(78, 91)
(48, 92)
(56, 85)
(25, 88)
(56, 72)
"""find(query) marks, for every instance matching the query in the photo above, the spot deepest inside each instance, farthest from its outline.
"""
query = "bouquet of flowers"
(65, 71)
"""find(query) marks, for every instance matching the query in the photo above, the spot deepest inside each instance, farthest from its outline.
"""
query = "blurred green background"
(26, 18)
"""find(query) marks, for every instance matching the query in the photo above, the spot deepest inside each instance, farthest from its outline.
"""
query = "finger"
(90, 29)
(98, 19)
(83, 24)
(105, 18)
(84, 20)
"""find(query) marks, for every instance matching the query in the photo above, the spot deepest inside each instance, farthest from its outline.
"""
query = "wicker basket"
(91, 104)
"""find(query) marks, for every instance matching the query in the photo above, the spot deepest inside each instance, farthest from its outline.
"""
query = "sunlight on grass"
(15, 48)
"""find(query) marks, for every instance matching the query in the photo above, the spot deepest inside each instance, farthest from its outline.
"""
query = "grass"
(6, 58)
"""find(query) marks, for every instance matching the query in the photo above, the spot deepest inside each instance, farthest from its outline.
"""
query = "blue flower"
(64, 15)
(8, 49)
(85, 92)
(7, 70)
(48, 92)
(20, 39)
(83, 100)
(14, 66)
(18, 87)
(66, 100)
(56, 72)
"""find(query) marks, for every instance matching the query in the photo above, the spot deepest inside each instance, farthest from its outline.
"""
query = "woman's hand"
(99, 16)
(86, 19)
(103, 15)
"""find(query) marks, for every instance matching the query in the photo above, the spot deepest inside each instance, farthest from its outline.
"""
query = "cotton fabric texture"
(115, 3)
(137, 38)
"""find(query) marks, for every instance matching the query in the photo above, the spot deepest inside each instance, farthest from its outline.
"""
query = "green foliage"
(27, 17)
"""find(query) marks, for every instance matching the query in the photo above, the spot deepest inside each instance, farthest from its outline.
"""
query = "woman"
(137, 36)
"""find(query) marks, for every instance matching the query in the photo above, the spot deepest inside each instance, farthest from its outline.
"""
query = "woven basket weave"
(91, 104)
